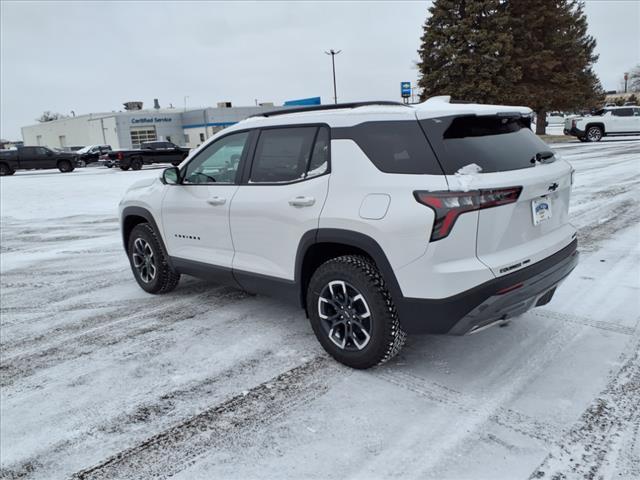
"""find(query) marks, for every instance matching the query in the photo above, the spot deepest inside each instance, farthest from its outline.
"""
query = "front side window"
(217, 163)
(282, 155)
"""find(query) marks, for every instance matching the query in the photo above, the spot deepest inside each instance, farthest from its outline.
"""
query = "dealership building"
(129, 128)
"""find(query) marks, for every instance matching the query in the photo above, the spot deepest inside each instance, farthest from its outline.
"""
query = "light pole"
(185, 102)
(333, 54)
(626, 77)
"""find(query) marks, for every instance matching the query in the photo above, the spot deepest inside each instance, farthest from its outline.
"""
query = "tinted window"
(217, 163)
(393, 147)
(319, 163)
(494, 143)
(282, 154)
(623, 112)
(636, 112)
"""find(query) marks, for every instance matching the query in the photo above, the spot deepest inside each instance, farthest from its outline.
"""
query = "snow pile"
(466, 175)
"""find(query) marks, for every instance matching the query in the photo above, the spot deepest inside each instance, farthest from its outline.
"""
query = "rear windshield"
(494, 143)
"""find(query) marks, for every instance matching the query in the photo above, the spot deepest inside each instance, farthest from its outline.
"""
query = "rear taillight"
(120, 156)
(573, 123)
(448, 206)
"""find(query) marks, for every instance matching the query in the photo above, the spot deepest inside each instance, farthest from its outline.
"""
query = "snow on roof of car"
(356, 113)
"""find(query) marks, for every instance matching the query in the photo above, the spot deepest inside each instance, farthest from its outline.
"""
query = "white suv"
(376, 218)
(608, 121)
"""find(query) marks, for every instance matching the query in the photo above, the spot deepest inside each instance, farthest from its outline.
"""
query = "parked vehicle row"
(147, 154)
(609, 121)
(35, 158)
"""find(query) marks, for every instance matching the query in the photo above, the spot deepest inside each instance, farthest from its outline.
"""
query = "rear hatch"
(522, 186)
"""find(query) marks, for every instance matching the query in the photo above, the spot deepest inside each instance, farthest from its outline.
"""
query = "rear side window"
(319, 162)
(393, 146)
(282, 154)
(623, 112)
(494, 143)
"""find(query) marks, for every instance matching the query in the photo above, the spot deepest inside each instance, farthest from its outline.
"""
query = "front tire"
(352, 312)
(594, 134)
(149, 261)
(65, 166)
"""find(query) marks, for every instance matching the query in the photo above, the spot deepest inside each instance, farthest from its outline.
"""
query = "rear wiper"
(546, 156)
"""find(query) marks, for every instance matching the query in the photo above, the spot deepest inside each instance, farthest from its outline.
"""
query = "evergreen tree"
(535, 53)
(555, 55)
(466, 51)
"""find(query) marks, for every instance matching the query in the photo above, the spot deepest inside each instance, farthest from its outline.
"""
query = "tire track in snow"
(226, 425)
(589, 322)
(107, 334)
(506, 417)
(154, 415)
(617, 217)
(589, 446)
(489, 409)
(31, 340)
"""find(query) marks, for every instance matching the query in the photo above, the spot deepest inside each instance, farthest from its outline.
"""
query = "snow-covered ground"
(101, 380)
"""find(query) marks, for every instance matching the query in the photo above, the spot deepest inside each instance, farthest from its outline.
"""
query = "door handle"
(302, 201)
(217, 201)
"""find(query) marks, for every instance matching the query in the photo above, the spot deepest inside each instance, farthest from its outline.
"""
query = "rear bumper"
(499, 299)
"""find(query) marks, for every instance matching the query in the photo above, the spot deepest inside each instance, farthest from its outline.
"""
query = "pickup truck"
(605, 122)
(91, 153)
(35, 158)
(148, 153)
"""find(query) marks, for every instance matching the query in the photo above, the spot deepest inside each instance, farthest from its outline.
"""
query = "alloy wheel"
(594, 134)
(143, 260)
(345, 316)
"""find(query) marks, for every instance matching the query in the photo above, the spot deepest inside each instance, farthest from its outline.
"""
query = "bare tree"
(49, 116)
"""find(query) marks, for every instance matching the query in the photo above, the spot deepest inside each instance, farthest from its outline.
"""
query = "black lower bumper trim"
(482, 305)
(576, 132)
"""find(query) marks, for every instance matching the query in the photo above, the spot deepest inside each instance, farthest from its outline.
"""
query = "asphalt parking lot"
(100, 380)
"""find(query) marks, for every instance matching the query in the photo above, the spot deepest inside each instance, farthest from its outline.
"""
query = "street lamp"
(333, 53)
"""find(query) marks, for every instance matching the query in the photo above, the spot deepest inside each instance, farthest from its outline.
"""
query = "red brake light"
(448, 206)
(120, 156)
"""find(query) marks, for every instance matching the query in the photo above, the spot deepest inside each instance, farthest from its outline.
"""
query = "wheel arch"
(318, 246)
(132, 216)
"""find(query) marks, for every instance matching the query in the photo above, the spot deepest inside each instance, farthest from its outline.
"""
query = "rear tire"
(148, 261)
(136, 164)
(6, 170)
(65, 166)
(124, 167)
(352, 312)
(594, 134)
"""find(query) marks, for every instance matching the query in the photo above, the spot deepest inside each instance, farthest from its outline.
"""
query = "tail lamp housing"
(448, 206)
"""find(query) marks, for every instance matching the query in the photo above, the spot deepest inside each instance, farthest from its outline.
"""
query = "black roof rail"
(333, 106)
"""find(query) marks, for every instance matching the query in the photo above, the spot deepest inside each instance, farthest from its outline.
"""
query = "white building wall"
(74, 130)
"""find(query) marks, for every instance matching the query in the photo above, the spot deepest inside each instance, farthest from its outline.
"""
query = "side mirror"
(171, 176)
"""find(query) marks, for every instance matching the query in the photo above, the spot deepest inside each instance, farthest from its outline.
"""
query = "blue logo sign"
(405, 89)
